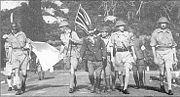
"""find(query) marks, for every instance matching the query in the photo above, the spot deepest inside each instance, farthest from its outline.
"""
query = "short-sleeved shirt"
(162, 38)
(120, 39)
(66, 36)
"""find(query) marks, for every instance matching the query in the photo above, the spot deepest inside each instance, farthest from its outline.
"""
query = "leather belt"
(121, 50)
(108, 53)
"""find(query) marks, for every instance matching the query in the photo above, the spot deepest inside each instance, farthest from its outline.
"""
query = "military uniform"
(122, 43)
(93, 50)
(163, 47)
(139, 67)
(8, 68)
(71, 50)
(19, 59)
(109, 69)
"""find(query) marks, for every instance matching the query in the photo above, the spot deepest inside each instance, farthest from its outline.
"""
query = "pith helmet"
(120, 23)
(163, 20)
(63, 23)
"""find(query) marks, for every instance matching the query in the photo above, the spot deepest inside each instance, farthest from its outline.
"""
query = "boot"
(162, 89)
(170, 92)
(141, 84)
(19, 92)
(75, 83)
(107, 89)
(23, 88)
(113, 83)
(91, 79)
(10, 89)
(98, 85)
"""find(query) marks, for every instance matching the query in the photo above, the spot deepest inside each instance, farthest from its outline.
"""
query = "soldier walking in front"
(163, 47)
(70, 40)
(94, 51)
(19, 56)
(122, 41)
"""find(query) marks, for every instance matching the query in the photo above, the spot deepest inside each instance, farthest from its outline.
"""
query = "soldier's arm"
(132, 44)
(75, 38)
(83, 49)
(112, 45)
(10, 53)
(153, 43)
(22, 40)
(104, 49)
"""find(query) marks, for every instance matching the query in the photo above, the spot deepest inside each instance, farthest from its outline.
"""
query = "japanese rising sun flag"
(48, 55)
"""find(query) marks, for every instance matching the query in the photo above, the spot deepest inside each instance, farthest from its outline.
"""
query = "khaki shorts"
(20, 60)
(123, 60)
(164, 57)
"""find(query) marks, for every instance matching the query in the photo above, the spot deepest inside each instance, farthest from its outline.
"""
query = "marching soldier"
(109, 69)
(122, 41)
(19, 57)
(70, 40)
(93, 50)
(163, 47)
(8, 70)
(139, 67)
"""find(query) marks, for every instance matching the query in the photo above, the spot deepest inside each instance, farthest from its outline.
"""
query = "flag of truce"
(48, 55)
(83, 19)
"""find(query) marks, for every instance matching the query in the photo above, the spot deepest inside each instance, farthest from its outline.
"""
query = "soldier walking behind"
(109, 69)
(139, 66)
(164, 52)
(94, 51)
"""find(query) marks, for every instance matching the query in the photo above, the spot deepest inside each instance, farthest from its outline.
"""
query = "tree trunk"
(37, 20)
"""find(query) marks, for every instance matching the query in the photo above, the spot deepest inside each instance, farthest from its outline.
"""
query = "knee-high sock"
(9, 81)
(135, 75)
(126, 79)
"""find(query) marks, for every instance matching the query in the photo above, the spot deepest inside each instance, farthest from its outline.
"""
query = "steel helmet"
(163, 20)
(120, 23)
(63, 23)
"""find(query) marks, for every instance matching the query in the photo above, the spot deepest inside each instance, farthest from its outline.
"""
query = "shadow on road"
(146, 87)
(82, 86)
(36, 87)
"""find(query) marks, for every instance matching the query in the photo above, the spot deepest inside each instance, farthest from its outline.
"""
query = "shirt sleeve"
(75, 37)
(132, 39)
(112, 40)
(83, 48)
(153, 39)
(172, 39)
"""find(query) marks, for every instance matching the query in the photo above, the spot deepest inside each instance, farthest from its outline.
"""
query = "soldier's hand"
(80, 59)
(155, 60)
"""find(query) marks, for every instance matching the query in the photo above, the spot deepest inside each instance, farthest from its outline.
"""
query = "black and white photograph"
(90, 48)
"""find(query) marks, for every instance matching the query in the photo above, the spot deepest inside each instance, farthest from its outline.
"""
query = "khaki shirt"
(119, 39)
(18, 40)
(65, 37)
(162, 38)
